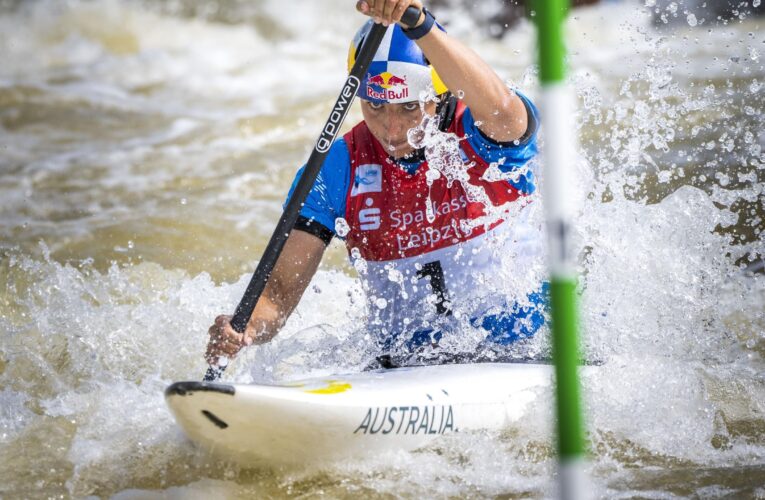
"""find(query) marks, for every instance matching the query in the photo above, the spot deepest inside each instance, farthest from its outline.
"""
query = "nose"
(395, 125)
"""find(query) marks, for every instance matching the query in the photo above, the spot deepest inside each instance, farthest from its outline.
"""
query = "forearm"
(293, 272)
(501, 113)
(268, 317)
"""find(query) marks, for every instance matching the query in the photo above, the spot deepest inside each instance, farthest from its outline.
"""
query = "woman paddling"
(428, 193)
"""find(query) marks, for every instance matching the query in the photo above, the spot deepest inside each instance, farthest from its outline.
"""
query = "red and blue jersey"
(429, 237)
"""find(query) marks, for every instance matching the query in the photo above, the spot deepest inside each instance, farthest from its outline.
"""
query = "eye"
(375, 106)
(411, 106)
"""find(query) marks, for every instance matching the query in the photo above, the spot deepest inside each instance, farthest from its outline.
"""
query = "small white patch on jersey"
(368, 180)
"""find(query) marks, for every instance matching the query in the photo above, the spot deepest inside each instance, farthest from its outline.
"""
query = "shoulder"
(326, 200)
(359, 135)
(334, 178)
(338, 154)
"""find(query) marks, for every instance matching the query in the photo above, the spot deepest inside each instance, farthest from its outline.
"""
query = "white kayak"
(354, 415)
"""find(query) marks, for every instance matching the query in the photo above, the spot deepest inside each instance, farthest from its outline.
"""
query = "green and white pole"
(559, 153)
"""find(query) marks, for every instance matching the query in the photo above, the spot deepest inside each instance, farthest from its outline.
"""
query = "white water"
(143, 159)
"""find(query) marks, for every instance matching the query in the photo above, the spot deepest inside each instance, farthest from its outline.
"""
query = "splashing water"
(445, 159)
(442, 152)
(115, 112)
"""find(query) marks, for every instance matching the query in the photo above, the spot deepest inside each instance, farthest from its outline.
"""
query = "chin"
(400, 151)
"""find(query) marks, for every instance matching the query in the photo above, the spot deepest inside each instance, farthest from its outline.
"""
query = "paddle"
(304, 185)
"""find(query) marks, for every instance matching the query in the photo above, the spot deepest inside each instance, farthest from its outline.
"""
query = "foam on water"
(143, 148)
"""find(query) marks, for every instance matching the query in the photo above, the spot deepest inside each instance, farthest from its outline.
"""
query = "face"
(389, 123)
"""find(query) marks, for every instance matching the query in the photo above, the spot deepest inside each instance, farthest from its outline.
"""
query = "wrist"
(420, 20)
(250, 335)
(259, 336)
(423, 27)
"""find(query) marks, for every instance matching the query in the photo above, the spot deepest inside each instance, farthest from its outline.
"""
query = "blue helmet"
(399, 71)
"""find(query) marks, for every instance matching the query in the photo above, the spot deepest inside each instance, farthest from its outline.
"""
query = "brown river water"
(146, 148)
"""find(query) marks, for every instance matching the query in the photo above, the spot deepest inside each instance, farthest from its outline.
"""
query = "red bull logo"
(393, 87)
(387, 80)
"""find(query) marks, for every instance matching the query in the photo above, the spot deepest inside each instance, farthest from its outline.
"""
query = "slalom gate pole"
(559, 153)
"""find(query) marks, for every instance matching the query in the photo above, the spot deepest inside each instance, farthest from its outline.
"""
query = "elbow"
(515, 120)
(507, 121)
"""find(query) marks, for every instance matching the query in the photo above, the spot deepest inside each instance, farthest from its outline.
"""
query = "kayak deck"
(356, 414)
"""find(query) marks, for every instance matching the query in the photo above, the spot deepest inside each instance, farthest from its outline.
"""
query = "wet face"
(389, 123)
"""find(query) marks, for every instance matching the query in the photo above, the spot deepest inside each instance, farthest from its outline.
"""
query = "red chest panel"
(394, 215)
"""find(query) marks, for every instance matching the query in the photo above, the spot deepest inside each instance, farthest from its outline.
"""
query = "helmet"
(399, 70)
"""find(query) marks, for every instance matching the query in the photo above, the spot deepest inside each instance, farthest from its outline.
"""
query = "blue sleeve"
(510, 156)
(326, 200)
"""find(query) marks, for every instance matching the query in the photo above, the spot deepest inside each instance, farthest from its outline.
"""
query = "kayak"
(354, 415)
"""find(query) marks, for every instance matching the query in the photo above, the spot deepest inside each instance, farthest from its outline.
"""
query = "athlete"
(430, 193)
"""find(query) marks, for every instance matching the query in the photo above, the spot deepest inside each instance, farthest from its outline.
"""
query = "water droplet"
(416, 137)
(692, 21)
(395, 275)
(341, 227)
(431, 175)
(360, 266)
(381, 303)
(460, 94)
(358, 262)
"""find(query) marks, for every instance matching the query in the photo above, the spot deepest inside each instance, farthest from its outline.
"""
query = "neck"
(414, 156)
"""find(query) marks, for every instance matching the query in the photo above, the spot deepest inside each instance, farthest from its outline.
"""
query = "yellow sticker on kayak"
(333, 387)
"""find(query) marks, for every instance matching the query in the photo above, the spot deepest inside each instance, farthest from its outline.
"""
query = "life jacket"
(424, 244)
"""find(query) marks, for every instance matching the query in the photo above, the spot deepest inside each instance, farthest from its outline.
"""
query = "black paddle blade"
(214, 373)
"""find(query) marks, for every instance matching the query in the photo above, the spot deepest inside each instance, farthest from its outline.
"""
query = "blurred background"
(145, 151)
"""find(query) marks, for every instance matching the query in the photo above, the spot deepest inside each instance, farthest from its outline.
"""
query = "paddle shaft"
(313, 166)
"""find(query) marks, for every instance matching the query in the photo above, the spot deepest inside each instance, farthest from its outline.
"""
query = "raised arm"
(293, 271)
(501, 114)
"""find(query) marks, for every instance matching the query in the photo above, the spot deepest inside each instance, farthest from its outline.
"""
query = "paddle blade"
(214, 373)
